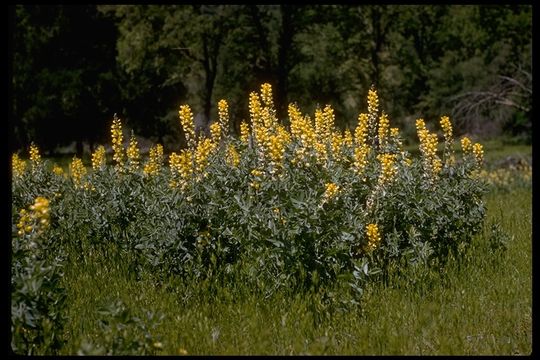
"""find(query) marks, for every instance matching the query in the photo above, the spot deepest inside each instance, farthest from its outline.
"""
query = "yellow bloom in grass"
(388, 168)
(215, 132)
(244, 132)
(57, 170)
(331, 191)
(35, 157)
(155, 161)
(117, 143)
(478, 152)
(466, 145)
(78, 171)
(186, 120)
(18, 165)
(233, 158)
(223, 115)
(374, 237)
(384, 125)
(133, 154)
(98, 158)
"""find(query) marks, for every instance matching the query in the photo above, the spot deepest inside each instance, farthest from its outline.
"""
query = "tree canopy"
(74, 66)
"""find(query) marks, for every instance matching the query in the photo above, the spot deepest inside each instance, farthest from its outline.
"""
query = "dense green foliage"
(75, 66)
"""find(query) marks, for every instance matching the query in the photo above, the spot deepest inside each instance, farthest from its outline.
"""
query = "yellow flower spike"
(374, 237)
(388, 168)
(266, 95)
(255, 109)
(98, 158)
(18, 165)
(394, 132)
(133, 154)
(466, 145)
(446, 125)
(201, 154)
(478, 152)
(223, 115)
(215, 132)
(347, 138)
(360, 158)
(186, 120)
(35, 157)
(181, 168)
(361, 131)
(244, 132)
(78, 171)
(117, 143)
(155, 161)
(384, 125)
(233, 158)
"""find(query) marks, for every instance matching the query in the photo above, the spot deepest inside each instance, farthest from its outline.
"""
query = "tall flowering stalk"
(428, 148)
(35, 157)
(223, 116)
(78, 171)
(373, 236)
(446, 126)
(388, 168)
(373, 113)
(117, 143)
(98, 158)
(244, 132)
(186, 120)
(384, 125)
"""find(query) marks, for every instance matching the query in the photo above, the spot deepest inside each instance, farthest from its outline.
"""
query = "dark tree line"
(74, 66)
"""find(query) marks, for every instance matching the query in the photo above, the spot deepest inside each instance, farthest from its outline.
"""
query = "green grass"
(481, 306)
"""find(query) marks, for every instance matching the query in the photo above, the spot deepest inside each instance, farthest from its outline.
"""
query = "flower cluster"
(466, 145)
(428, 148)
(373, 111)
(78, 171)
(98, 158)
(155, 161)
(35, 157)
(244, 132)
(133, 154)
(374, 238)
(34, 219)
(186, 120)
(57, 170)
(388, 168)
(181, 168)
(18, 165)
(117, 143)
(223, 115)
(478, 152)
(232, 157)
(384, 125)
(332, 190)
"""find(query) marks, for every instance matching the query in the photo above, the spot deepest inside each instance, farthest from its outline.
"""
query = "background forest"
(74, 67)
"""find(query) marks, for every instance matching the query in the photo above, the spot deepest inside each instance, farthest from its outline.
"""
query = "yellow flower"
(181, 168)
(78, 171)
(35, 157)
(373, 101)
(36, 218)
(98, 158)
(394, 132)
(374, 238)
(186, 120)
(446, 125)
(201, 154)
(244, 132)
(388, 168)
(18, 165)
(466, 145)
(57, 170)
(331, 191)
(361, 131)
(155, 161)
(347, 138)
(133, 154)
(266, 95)
(384, 124)
(478, 152)
(117, 143)
(360, 158)
(233, 158)
(223, 115)
(215, 132)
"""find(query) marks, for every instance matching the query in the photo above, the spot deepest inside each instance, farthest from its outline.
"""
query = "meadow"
(290, 240)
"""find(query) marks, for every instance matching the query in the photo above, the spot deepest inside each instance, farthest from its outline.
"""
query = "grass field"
(479, 306)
